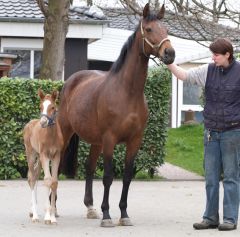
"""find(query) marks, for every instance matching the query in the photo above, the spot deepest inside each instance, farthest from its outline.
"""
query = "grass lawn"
(184, 147)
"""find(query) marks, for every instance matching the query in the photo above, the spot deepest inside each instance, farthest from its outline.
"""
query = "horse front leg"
(47, 183)
(91, 163)
(54, 185)
(34, 168)
(108, 148)
(131, 152)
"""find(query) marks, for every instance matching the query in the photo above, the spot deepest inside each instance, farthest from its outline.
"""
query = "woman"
(221, 80)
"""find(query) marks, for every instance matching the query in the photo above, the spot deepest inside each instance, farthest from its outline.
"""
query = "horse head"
(155, 37)
(48, 108)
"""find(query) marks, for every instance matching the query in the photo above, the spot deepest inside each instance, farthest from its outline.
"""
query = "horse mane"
(117, 65)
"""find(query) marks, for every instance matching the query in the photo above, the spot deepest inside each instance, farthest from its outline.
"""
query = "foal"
(43, 143)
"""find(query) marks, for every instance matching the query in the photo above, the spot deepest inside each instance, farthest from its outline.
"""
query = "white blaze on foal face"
(46, 103)
(44, 119)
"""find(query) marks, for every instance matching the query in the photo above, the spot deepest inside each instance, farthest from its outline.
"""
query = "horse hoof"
(107, 223)
(125, 222)
(35, 220)
(57, 215)
(47, 222)
(92, 214)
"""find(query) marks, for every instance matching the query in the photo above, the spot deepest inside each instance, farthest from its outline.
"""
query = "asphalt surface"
(175, 173)
(157, 208)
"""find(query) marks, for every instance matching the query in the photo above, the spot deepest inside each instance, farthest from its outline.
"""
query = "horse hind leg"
(91, 163)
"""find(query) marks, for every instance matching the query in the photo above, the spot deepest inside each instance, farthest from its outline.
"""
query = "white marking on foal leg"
(53, 218)
(35, 217)
(47, 217)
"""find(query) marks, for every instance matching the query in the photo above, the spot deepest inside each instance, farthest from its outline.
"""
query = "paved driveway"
(159, 208)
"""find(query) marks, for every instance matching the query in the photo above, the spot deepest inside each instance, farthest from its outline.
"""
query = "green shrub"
(19, 104)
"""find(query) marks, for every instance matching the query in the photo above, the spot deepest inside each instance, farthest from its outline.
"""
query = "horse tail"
(69, 160)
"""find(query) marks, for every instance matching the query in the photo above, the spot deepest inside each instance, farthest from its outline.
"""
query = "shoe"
(225, 226)
(204, 225)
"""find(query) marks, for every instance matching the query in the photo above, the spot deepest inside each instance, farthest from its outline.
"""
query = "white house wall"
(20, 29)
(108, 48)
(21, 43)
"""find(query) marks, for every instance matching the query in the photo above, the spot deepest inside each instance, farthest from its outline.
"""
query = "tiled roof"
(28, 10)
(179, 26)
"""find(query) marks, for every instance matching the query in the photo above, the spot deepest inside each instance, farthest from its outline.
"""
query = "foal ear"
(41, 94)
(160, 14)
(146, 10)
(54, 95)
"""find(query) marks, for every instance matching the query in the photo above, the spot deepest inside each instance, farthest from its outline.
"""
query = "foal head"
(48, 108)
(155, 37)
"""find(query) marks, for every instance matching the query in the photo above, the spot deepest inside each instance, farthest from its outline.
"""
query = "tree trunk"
(55, 31)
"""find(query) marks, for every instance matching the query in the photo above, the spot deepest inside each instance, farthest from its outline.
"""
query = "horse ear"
(161, 12)
(54, 95)
(41, 94)
(146, 10)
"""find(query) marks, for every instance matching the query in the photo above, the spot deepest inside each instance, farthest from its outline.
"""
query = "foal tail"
(69, 160)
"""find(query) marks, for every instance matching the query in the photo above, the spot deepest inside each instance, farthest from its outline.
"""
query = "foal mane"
(117, 65)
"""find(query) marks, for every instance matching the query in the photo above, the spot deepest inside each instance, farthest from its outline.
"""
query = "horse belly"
(89, 133)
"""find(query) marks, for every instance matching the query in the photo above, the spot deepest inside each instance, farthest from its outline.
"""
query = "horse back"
(79, 79)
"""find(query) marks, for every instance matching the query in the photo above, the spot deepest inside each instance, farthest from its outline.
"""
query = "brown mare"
(107, 108)
(43, 144)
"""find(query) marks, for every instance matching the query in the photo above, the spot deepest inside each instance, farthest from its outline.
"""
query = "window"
(29, 52)
(37, 63)
(21, 67)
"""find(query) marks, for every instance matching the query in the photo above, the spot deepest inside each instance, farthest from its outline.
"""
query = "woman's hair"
(222, 46)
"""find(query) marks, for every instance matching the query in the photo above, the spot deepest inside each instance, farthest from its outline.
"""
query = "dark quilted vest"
(222, 93)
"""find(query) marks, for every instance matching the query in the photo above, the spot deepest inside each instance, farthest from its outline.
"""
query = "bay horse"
(43, 144)
(108, 108)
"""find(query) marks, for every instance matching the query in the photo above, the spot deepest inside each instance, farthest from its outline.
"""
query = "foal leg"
(54, 185)
(33, 174)
(108, 147)
(131, 151)
(47, 183)
(90, 169)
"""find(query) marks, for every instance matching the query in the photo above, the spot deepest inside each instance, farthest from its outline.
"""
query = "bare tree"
(198, 20)
(55, 30)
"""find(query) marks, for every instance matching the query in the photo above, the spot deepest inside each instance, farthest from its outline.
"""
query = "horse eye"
(148, 30)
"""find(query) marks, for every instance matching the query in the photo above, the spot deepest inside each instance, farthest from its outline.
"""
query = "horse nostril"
(169, 55)
(169, 52)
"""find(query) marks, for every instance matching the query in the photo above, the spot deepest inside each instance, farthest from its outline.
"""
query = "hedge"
(19, 103)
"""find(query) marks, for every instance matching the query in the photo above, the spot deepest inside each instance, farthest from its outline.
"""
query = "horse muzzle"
(44, 122)
(168, 56)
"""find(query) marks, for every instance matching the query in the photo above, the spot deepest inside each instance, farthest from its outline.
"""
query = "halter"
(51, 119)
(153, 46)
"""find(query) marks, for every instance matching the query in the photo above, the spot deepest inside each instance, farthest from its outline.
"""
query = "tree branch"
(43, 7)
